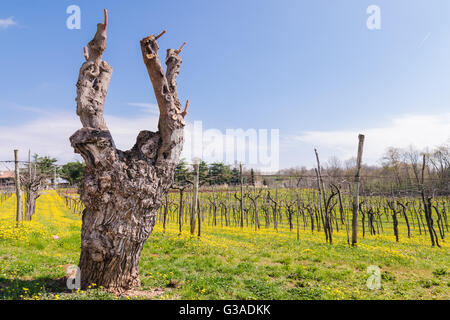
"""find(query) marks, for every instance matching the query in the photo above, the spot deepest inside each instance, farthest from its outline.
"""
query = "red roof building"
(6, 178)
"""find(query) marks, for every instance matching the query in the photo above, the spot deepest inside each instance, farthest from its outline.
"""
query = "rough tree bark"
(122, 190)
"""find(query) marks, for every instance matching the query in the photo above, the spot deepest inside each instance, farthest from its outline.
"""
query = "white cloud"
(146, 107)
(6, 23)
(49, 135)
(420, 131)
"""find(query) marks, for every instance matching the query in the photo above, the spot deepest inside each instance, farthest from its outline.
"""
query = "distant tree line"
(46, 168)
(215, 173)
(398, 170)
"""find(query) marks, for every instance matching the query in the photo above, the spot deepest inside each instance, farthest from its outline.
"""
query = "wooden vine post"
(356, 191)
(194, 208)
(241, 199)
(19, 200)
(122, 190)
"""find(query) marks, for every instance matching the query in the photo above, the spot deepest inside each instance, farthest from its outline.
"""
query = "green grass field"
(225, 263)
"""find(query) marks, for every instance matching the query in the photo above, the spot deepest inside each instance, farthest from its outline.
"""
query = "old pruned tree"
(122, 190)
(32, 183)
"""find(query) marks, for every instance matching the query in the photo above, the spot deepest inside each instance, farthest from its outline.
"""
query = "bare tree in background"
(32, 182)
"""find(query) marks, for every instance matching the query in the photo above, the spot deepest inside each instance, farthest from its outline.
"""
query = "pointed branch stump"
(122, 190)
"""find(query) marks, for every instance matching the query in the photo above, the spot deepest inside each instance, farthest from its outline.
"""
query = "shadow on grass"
(19, 288)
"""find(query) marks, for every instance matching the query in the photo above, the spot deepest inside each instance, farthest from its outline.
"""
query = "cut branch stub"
(160, 35)
(165, 88)
(98, 45)
(122, 190)
(184, 113)
(181, 48)
(93, 81)
(85, 53)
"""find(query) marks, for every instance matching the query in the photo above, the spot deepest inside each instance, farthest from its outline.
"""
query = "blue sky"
(309, 68)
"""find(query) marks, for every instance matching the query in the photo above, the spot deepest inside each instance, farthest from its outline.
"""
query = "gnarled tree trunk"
(122, 190)
(32, 183)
